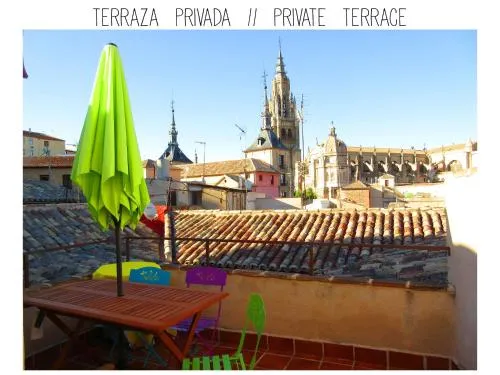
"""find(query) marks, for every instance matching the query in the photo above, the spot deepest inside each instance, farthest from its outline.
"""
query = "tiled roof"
(227, 167)
(149, 163)
(356, 185)
(45, 192)
(454, 147)
(174, 154)
(63, 161)
(265, 140)
(384, 150)
(336, 227)
(65, 225)
(27, 133)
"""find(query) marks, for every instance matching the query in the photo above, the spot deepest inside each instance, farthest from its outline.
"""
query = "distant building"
(250, 174)
(325, 167)
(195, 195)
(54, 169)
(39, 144)
(454, 158)
(387, 180)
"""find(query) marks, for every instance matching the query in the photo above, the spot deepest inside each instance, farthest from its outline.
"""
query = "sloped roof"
(46, 192)
(356, 185)
(55, 226)
(148, 163)
(174, 154)
(227, 167)
(27, 133)
(62, 161)
(387, 176)
(336, 228)
(265, 140)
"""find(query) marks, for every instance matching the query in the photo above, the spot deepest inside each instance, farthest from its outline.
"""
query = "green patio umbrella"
(107, 164)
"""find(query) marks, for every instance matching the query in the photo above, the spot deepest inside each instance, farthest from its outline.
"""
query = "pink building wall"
(267, 183)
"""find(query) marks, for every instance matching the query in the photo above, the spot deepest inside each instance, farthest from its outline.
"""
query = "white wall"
(435, 190)
(464, 215)
(278, 203)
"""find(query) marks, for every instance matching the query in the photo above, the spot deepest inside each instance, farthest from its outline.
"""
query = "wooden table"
(144, 307)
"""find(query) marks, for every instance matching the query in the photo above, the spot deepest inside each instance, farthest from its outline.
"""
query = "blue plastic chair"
(150, 275)
(156, 276)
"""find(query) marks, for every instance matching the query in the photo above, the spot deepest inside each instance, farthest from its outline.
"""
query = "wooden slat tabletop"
(145, 307)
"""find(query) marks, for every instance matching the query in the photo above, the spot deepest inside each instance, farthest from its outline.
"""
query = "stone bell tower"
(285, 121)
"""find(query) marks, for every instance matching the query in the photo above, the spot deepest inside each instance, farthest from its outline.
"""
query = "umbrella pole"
(118, 240)
(121, 363)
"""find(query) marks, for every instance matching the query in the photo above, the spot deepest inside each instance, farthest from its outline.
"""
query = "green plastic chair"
(256, 315)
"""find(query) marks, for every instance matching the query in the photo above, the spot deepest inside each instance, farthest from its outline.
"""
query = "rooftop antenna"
(243, 134)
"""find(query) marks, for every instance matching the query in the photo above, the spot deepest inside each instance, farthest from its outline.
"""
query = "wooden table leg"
(173, 347)
(190, 335)
(71, 335)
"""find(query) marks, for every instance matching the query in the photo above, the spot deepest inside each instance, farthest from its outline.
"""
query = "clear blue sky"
(381, 88)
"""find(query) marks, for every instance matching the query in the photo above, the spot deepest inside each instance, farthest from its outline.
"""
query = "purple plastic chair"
(204, 276)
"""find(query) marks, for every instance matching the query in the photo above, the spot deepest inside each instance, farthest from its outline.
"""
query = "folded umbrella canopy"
(107, 164)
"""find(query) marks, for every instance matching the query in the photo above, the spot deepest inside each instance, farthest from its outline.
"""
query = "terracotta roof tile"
(63, 161)
(46, 192)
(47, 227)
(337, 228)
(27, 133)
(227, 167)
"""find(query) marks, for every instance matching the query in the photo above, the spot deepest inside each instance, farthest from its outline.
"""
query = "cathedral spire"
(173, 131)
(280, 65)
(266, 115)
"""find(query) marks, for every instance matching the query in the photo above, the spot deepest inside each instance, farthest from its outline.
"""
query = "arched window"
(289, 133)
(283, 133)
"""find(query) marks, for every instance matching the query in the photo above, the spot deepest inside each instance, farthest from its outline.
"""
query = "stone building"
(278, 142)
(39, 144)
(367, 164)
(326, 167)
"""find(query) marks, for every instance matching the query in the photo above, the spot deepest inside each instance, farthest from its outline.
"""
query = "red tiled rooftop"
(65, 161)
(336, 228)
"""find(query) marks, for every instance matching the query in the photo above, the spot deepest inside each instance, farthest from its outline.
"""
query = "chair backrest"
(150, 275)
(256, 316)
(206, 276)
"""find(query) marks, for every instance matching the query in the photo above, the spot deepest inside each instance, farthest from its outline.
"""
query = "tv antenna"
(243, 134)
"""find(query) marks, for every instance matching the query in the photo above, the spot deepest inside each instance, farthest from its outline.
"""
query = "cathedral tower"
(285, 122)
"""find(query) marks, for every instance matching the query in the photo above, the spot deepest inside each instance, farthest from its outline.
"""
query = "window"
(272, 180)
(45, 143)
(260, 177)
(44, 177)
(282, 180)
(283, 133)
(172, 198)
(289, 133)
(30, 141)
(66, 181)
(282, 161)
(386, 182)
(195, 198)
(32, 151)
